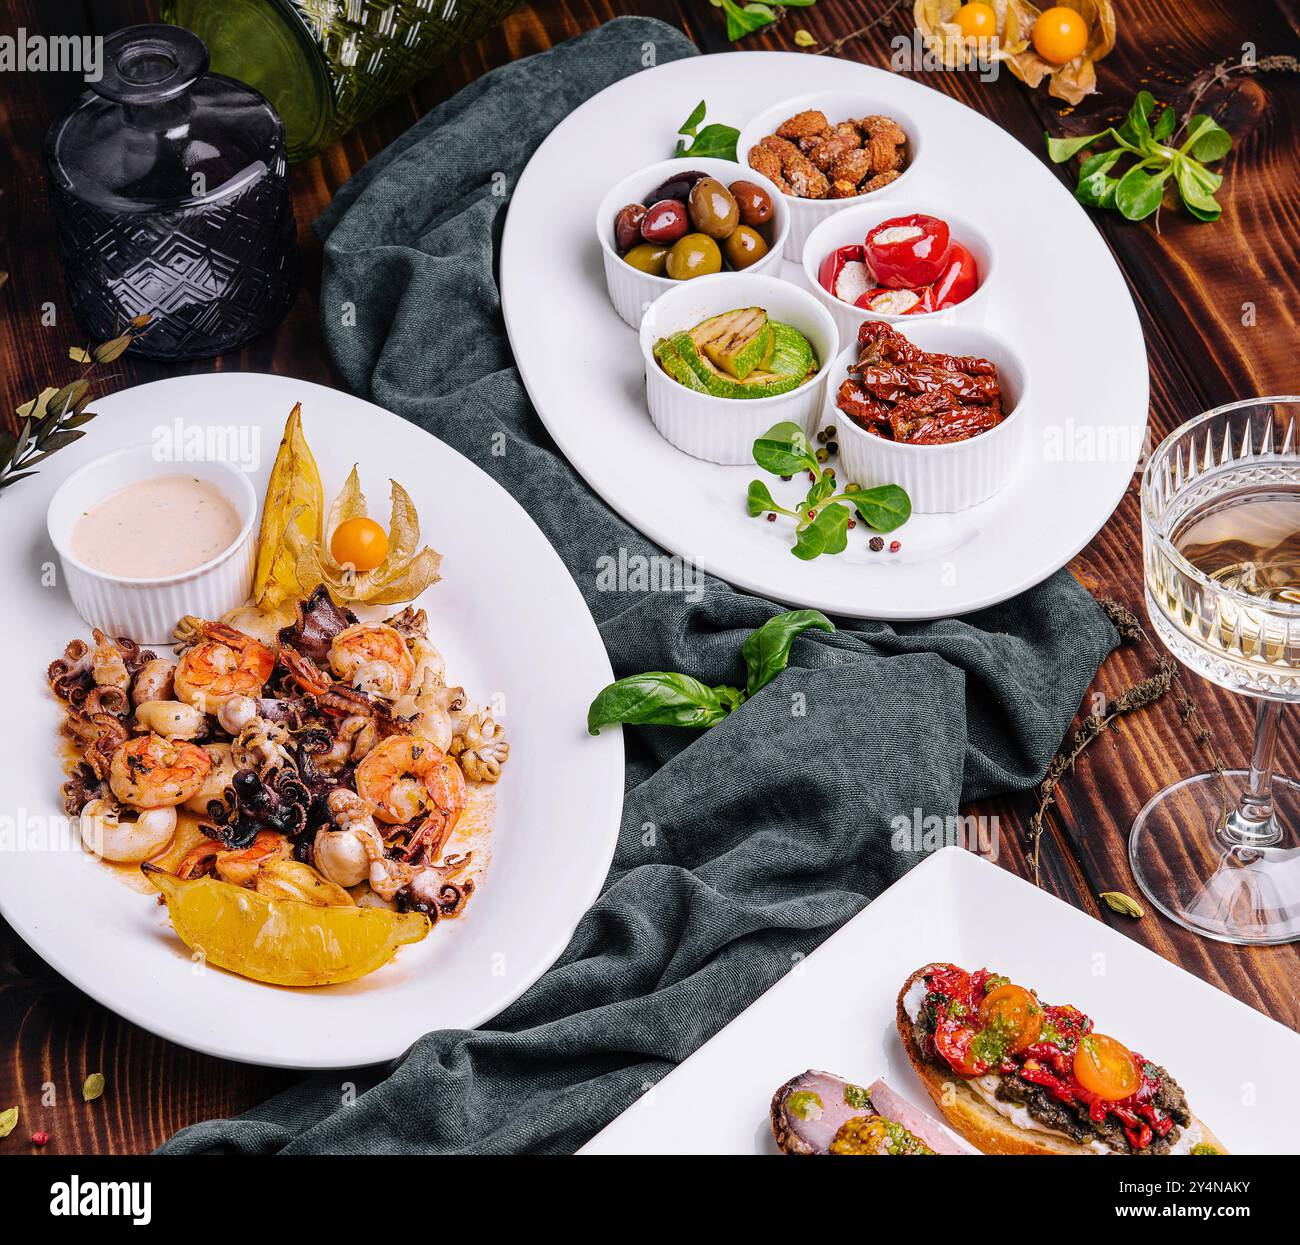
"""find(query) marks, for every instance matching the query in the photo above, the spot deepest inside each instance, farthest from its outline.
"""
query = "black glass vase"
(170, 195)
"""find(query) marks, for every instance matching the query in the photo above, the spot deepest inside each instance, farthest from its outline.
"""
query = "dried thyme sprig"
(55, 418)
(1142, 694)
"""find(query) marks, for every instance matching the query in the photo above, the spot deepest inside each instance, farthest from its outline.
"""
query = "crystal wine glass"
(1220, 852)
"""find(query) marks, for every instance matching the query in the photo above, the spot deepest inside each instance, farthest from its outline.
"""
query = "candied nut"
(880, 179)
(853, 167)
(841, 189)
(885, 155)
(883, 127)
(765, 161)
(782, 148)
(807, 181)
(807, 124)
(825, 153)
(848, 130)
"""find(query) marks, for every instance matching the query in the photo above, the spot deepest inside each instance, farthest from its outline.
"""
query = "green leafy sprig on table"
(744, 19)
(55, 418)
(821, 520)
(661, 698)
(1137, 191)
(715, 141)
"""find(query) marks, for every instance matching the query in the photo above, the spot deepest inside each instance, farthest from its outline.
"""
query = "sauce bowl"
(147, 609)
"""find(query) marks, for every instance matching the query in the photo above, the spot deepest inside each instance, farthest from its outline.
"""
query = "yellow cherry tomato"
(1106, 1068)
(1015, 1014)
(1060, 34)
(360, 542)
(977, 21)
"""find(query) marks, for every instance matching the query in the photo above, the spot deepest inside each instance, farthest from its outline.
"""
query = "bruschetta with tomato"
(1015, 1075)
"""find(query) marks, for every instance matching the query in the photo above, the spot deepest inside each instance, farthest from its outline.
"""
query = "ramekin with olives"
(682, 219)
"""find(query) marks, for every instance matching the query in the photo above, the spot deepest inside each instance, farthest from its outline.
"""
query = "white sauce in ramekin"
(164, 525)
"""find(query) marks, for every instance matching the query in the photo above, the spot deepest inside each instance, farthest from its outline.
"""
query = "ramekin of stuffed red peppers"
(940, 409)
(902, 263)
(681, 219)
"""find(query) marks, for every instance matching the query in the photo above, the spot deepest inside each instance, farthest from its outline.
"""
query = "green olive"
(648, 257)
(712, 208)
(695, 255)
(744, 247)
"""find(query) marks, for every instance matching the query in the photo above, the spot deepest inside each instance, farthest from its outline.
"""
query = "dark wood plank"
(1191, 283)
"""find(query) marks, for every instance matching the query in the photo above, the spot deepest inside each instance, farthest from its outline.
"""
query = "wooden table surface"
(1215, 304)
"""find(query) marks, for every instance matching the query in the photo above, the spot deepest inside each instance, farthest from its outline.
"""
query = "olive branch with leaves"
(56, 418)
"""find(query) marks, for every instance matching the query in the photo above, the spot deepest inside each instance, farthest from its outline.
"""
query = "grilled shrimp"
(404, 777)
(239, 866)
(152, 772)
(221, 664)
(139, 836)
(373, 657)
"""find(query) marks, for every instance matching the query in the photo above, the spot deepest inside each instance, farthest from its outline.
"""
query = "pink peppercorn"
(39, 1139)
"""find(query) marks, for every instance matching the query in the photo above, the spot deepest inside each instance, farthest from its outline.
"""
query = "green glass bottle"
(326, 65)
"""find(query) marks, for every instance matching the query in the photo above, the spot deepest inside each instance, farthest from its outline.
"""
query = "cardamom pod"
(8, 1121)
(1119, 902)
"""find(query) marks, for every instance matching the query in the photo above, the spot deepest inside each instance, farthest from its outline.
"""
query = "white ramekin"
(850, 228)
(939, 478)
(807, 214)
(631, 290)
(723, 430)
(146, 610)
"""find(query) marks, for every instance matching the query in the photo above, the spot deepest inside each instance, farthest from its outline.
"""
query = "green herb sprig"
(715, 141)
(662, 698)
(744, 19)
(821, 521)
(1137, 191)
(55, 418)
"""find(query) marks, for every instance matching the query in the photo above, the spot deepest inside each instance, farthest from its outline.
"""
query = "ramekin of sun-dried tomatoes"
(826, 151)
(900, 261)
(940, 409)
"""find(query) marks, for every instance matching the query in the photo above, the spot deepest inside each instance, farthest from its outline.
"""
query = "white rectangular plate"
(835, 1011)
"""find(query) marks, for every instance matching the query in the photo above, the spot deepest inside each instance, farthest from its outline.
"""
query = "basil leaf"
(1061, 149)
(715, 141)
(767, 651)
(1164, 125)
(1139, 192)
(1207, 139)
(742, 22)
(760, 500)
(692, 123)
(784, 450)
(827, 533)
(884, 507)
(661, 699)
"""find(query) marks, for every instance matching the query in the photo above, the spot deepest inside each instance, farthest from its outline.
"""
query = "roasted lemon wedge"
(294, 496)
(283, 942)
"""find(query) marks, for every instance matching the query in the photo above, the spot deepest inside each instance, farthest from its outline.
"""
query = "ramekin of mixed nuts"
(685, 218)
(827, 150)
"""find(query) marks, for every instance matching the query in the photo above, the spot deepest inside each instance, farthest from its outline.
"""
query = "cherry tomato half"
(1106, 1068)
(1059, 34)
(955, 1042)
(1016, 1013)
(360, 542)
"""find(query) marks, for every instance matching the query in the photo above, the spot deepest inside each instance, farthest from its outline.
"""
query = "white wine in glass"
(1220, 852)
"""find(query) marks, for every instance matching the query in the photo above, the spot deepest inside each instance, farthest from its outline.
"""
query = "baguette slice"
(968, 1114)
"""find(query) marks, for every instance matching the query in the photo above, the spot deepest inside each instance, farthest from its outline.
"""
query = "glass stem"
(1251, 824)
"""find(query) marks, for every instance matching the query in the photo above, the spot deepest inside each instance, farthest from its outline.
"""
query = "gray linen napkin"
(770, 830)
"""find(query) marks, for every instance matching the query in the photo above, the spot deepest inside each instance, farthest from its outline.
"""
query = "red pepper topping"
(908, 251)
(958, 1033)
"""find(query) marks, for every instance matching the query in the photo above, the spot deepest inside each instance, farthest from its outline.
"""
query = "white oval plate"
(1060, 299)
(512, 625)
